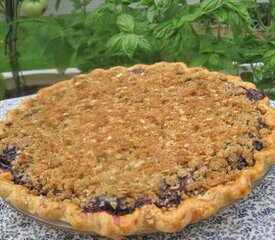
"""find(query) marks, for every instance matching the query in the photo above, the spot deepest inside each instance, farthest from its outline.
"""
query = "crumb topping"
(151, 133)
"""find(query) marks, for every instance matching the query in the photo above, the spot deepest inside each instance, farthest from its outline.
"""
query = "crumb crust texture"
(140, 149)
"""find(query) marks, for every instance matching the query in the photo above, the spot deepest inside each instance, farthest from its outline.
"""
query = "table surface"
(250, 218)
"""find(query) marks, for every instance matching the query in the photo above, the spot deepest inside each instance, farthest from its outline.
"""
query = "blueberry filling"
(262, 124)
(257, 145)
(168, 197)
(254, 94)
(139, 203)
(112, 205)
(18, 177)
(43, 192)
(241, 163)
(7, 156)
(137, 70)
(182, 182)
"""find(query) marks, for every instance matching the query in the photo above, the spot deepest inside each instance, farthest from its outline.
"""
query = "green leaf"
(272, 42)
(214, 59)
(191, 16)
(163, 5)
(221, 16)
(269, 54)
(236, 24)
(83, 57)
(190, 36)
(266, 82)
(129, 44)
(102, 12)
(2, 86)
(247, 76)
(200, 60)
(61, 51)
(114, 45)
(209, 6)
(227, 65)
(271, 95)
(126, 23)
(270, 30)
(151, 13)
(75, 37)
(250, 4)
(23, 34)
(240, 10)
(164, 30)
(272, 61)
(145, 2)
(273, 11)
(77, 21)
(144, 44)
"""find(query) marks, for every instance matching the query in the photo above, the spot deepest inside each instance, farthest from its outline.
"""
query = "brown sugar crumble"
(118, 139)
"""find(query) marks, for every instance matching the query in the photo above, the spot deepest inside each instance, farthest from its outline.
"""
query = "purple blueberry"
(18, 177)
(139, 203)
(241, 163)
(43, 192)
(111, 205)
(262, 124)
(7, 156)
(182, 182)
(137, 70)
(168, 197)
(257, 145)
(254, 94)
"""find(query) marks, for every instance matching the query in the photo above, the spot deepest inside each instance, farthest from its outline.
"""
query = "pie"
(135, 150)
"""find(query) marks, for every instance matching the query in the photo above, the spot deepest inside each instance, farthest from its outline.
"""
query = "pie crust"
(149, 217)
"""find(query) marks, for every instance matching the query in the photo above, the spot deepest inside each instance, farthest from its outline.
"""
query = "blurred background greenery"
(236, 37)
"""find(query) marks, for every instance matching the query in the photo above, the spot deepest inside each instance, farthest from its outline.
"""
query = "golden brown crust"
(148, 217)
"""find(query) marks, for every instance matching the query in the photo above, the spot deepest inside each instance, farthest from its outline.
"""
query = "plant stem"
(11, 43)
(260, 21)
(254, 72)
(269, 19)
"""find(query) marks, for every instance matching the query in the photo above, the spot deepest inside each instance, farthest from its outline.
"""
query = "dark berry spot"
(6, 157)
(137, 70)
(254, 94)
(182, 182)
(139, 203)
(18, 177)
(43, 192)
(168, 197)
(241, 163)
(40, 189)
(257, 145)
(111, 205)
(180, 73)
(262, 124)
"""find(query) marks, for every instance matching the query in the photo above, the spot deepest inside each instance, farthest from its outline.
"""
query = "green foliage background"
(220, 35)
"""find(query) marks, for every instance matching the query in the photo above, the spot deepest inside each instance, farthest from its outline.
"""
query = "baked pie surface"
(138, 149)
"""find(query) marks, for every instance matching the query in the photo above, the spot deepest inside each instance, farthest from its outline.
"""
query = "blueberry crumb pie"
(134, 150)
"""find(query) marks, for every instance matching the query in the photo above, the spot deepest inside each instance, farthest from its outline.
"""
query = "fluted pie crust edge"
(148, 218)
